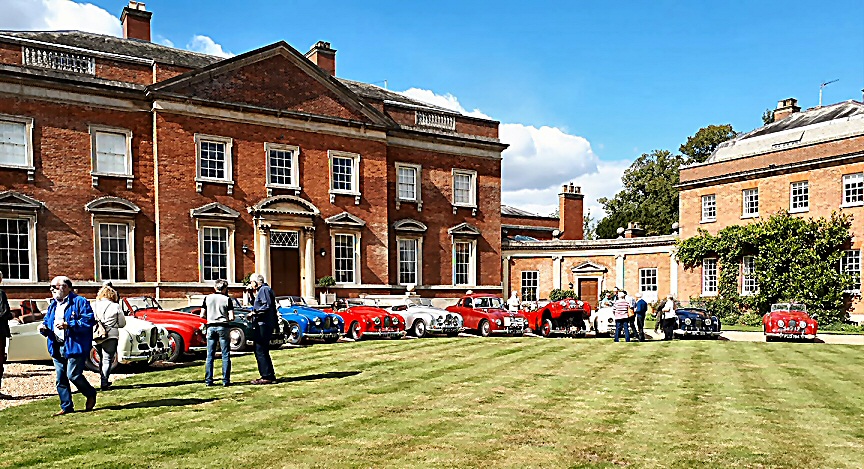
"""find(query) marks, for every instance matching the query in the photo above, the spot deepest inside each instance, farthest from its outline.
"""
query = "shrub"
(750, 319)
(326, 282)
(559, 294)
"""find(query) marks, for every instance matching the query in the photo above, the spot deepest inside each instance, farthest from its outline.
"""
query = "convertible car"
(368, 321)
(304, 322)
(139, 342)
(185, 333)
(789, 321)
(487, 314)
(421, 320)
(565, 317)
(697, 322)
(602, 320)
(240, 329)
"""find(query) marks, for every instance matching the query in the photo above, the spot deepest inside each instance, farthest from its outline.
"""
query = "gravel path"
(27, 382)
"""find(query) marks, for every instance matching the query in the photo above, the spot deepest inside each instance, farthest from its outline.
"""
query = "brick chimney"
(634, 230)
(323, 56)
(570, 212)
(136, 21)
(786, 108)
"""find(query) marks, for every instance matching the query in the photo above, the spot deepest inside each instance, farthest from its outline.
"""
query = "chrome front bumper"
(790, 335)
(697, 333)
(385, 335)
(444, 329)
(322, 335)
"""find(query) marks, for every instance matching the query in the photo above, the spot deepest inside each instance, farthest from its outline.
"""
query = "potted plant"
(326, 282)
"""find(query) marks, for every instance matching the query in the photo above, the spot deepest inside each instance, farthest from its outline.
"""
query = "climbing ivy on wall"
(795, 259)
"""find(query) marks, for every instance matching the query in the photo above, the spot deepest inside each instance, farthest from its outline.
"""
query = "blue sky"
(584, 87)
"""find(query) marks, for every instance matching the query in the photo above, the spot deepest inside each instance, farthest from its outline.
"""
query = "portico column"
(505, 276)
(673, 274)
(556, 272)
(308, 286)
(619, 271)
(262, 257)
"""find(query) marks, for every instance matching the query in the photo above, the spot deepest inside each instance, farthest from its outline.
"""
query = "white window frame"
(229, 162)
(357, 257)
(805, 203)
(231, 256)
(418, 171)
(535, 288)
(472, 261)
(94, 172)
(845, 264)
(850, 179)
(130, 247)
(28, 151)
(744, 206)
(418, 259)
(709, 201)
(355, 175)
(748, 279)
(473, 194)
(31, 248)
(705, 290)
(646, 273)
(295, 166)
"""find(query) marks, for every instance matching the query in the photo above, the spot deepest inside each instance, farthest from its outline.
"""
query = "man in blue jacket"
(68, 324)
(264, 319)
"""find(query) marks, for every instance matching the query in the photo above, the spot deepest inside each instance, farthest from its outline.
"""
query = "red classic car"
(368, 321)
(565, 316)
(487, 314)
(789, 321)
(184, 330)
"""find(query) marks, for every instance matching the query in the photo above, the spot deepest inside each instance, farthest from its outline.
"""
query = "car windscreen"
(488, 302)
(144, 302)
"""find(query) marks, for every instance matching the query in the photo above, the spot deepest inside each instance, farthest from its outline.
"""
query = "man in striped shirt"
(621, 309)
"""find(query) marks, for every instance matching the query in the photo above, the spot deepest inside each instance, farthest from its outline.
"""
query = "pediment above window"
(114, 206)
(410, 226)
(284, 205)
(215, 210)
(464, 229)
(589, 268)
(18, 202)
(345, 220)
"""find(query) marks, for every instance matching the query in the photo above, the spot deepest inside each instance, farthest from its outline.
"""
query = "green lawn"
(471, 402)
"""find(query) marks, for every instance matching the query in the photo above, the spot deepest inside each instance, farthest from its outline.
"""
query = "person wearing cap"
(641, 309)
(218, 310)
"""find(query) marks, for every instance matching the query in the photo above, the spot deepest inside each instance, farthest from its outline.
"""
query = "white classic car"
(602, 321)
(422, 319)
(139, 342)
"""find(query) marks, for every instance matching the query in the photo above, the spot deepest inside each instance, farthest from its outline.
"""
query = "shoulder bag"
(100, 332)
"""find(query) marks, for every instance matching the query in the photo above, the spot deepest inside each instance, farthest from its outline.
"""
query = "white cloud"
(447, 101)
(206, 45)
(58, 15)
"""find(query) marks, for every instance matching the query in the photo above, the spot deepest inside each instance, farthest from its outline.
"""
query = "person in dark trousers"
(620, 309)
(218, 310)
(641, 309)
(5, 333)
(68, 324)
(264, 312)
(669, 318)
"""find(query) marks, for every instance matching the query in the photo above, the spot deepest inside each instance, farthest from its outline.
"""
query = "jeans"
(262, 333)
(622, 324)
(640, 326)
(71, 369)
(107, 350)
(218, 335)
(668, 328)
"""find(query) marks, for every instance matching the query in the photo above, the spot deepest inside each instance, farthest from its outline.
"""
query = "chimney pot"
(136, 21)
(570, 216)
(324, 56)
(785, 108)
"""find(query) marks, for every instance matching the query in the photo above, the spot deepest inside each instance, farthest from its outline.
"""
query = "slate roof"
(118, 45)
(376, 92)
(815, 125)
(516, 212)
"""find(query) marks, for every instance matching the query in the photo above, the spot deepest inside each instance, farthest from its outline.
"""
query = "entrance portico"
(285, 244)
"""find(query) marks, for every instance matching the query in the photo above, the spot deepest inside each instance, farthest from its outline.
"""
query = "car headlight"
(142, 336)
(377, 321)
(317, 321)
(395, 320)
(803, 324)
(498, 321)
(707, 322)
(687, 321)
(781, 323)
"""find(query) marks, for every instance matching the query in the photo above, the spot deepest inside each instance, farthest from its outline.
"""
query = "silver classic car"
(423, 319)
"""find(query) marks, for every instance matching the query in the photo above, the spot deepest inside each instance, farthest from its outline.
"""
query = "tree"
(589, 226)
(700, 146)
(794, 259)
(768, 116)
(649, 196)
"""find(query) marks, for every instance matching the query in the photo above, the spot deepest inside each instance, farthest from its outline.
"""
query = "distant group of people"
(630, 314)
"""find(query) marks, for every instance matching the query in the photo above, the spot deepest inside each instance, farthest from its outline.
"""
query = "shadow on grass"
(7, 397)
(158, 403)
(164, 384)
(290, 379)
(327, 375)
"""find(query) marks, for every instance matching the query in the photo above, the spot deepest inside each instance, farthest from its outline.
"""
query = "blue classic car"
(305, 322)
(697, 322)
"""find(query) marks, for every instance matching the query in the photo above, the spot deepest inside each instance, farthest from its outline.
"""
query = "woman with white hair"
(669, 318)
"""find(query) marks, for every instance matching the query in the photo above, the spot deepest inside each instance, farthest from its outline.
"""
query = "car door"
(27, 344)
(465, 307)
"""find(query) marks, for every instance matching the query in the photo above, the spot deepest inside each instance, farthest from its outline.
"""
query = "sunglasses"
(55, 287)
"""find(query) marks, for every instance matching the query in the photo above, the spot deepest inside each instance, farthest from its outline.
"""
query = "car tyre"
(418, 329)
(237, 339)
(484, 328)
(93, 361)
(331, 340)
(546, 328)
(354, 332)
(293, 335)
(175, 344)
(452, 334)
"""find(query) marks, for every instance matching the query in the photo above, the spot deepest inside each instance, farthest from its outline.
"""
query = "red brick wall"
(61, 142)
(10, 53)
(128, 72)
(477, 127)
(165, 71)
